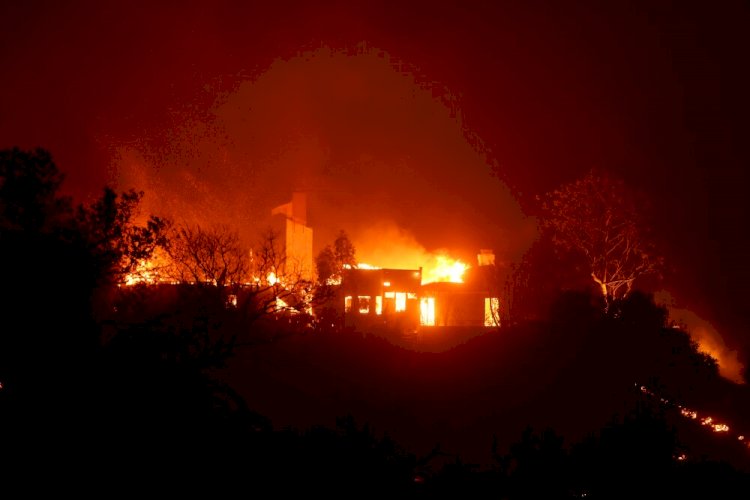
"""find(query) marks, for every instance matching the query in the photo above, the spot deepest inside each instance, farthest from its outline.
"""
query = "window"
(364, 304)
(491, 311)
(427, 311)
(378, 304)
(232, 300)
(390, 295)
(400, 301)
(348, 303)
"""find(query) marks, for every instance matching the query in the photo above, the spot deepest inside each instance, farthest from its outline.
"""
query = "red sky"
(221, 96)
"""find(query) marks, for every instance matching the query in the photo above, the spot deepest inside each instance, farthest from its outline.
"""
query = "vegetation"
(598, 217)
(129, 384)
(332, 260)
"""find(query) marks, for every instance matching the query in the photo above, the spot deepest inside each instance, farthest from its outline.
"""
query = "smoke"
(365, 140)
(705, 335)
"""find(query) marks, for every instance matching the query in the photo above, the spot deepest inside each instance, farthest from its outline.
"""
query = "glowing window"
(232, 301)
(491, 311)
(390, 295)
(411, 295)
(378, 304)
(427, 311)
(386, 283)
(364, 304)
(400, 301)
(348, 303)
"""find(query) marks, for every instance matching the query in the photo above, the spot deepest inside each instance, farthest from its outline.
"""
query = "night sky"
(439, 124)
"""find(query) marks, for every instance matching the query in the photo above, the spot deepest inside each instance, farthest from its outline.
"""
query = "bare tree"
(212, 256)
(598, 217)
(279, 284)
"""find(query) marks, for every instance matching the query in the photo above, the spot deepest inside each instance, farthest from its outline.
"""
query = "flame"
(438, 267)
(149, 272)
(444, 268)
(393, 247)
(689, 413)
(707, 421)
(361, 265)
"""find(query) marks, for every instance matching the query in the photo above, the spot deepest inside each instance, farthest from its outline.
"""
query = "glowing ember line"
(691, 414)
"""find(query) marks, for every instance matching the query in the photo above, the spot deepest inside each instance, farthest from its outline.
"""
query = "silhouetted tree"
(59, 265)
(207, 256)
(331, 261)
(598, 217)
(279, 285)
(114, 238)
(29, 191)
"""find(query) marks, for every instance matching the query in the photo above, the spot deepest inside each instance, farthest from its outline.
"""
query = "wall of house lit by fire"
(451, 294)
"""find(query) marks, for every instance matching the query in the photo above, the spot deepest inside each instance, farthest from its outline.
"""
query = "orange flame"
(444, 268)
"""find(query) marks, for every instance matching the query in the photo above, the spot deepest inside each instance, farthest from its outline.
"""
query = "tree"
(113, 237)
(29, 184)
(279, 285)
(207, 256)
(333, 259)
(598, 218)
(330, 264)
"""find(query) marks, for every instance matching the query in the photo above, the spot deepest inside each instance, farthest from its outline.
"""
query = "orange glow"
(149, 272)
(361, 265)
(444, 268)
(140, 275)
(391, 247)
(281, 303)
(708, 338)
(491, 311)
(272, 280)
(364, 304)
(706, 421)
(427, 311)
(689, 413)
(400, 301)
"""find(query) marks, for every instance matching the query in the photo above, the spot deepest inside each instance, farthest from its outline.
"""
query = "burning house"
(399, 300)
(387, 297)
(470, 301)
(444, 293)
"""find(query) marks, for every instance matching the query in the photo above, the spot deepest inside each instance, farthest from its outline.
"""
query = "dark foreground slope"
(572, 374)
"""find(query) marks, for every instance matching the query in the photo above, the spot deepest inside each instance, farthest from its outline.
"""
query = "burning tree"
(597, 217)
